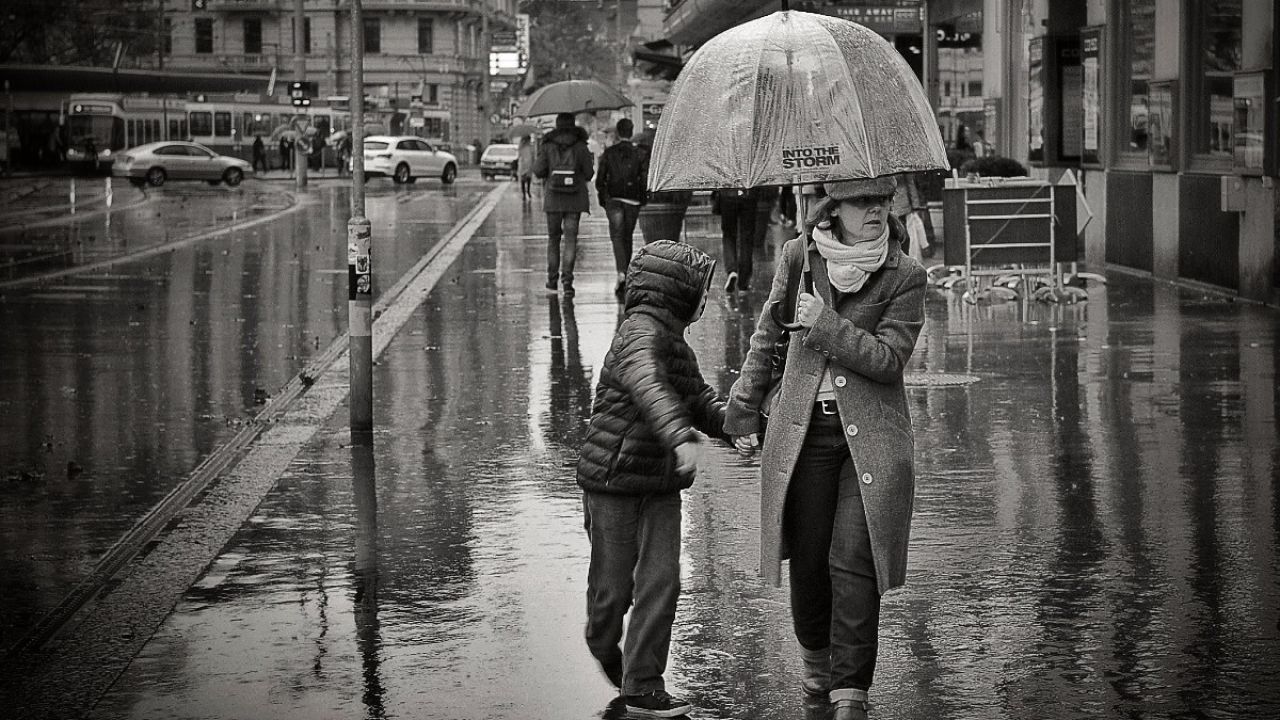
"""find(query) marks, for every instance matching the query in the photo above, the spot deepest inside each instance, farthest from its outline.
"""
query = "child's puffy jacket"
(651, 394)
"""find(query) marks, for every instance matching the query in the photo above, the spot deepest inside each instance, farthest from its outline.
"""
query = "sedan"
(405, 159)
(156, 162)
(499, 159)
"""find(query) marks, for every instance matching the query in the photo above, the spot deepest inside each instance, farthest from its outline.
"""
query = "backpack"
(625, 166)
(563, 177)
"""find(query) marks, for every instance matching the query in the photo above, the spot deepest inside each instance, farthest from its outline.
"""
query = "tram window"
(201, 124)
(222, 124)
(174, 132)
(155, 130)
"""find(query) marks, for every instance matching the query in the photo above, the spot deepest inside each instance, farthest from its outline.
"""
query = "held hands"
(746, 444)
(809, 309)
(687, 458)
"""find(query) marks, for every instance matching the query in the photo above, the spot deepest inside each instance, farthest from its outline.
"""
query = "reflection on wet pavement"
(118, 384)
(1096, 527)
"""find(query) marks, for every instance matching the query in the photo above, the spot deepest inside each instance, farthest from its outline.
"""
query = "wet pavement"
(1096, 533)
(120, 381)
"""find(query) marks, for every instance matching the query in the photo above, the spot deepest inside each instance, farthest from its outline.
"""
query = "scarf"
(849, 266)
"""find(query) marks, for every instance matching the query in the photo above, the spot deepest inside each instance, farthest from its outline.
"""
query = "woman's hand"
(746, 444)
(810, 308)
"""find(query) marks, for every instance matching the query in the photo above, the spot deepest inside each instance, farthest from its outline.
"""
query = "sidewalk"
(1095, 485)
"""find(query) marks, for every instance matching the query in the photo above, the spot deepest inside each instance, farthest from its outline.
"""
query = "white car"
(407, 158)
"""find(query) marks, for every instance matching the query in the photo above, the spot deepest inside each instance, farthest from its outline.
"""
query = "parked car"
(499, 159)
(405, 159)
(154, 163)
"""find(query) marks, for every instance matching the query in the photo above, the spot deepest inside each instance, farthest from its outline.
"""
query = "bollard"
(360, 324)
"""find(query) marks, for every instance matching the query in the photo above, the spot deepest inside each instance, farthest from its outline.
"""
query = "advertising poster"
(1091, 89)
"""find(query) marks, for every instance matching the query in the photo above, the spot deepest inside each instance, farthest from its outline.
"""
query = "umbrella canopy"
(573, 96)
(283, 132)
(793, 98)
(523, 129)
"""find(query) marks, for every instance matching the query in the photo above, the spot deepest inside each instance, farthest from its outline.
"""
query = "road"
(1097, 523)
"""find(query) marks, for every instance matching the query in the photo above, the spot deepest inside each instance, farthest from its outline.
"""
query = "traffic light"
(300, 93)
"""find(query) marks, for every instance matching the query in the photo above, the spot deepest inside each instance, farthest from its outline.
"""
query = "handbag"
(783, 313)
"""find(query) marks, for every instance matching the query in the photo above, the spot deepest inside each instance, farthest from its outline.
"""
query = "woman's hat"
(878, 187)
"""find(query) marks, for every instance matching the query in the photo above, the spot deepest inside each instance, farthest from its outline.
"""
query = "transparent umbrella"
(793, 98)
(573, 96)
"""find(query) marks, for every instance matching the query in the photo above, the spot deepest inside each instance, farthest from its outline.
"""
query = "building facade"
(1164, 110)
(426, 57)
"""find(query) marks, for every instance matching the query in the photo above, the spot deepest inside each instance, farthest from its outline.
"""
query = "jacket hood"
(668, 278)
(568, 136)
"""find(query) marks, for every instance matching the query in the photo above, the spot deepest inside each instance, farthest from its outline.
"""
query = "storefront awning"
(69, 78)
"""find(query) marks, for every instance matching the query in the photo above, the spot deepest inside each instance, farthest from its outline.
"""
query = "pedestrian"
(259, 154)
(344, 155)
(640, 451)
(524, 167)
(980, 146)
(286, 148)
(837, 484)
(620, 188)
(737, 209)
(787, 206)
(910, 206)
(566, 166)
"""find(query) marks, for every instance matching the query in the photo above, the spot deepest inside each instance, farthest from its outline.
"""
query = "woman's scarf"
(849, 266)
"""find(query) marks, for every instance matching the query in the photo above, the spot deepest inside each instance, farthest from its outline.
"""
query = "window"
(1138, 33)
(175, 129)
(201, 124)
(1219, 26)
(426, 36)
(172, 150)
(306, 34)
(433, 94)
(372, 36)
(167, 39)
(975, 88)
(222, 124)
(253, 36)
(204, 35)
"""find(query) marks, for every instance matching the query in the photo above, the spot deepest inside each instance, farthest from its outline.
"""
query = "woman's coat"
(865, 339)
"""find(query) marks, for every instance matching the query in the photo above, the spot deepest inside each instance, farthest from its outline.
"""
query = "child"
(640, 452)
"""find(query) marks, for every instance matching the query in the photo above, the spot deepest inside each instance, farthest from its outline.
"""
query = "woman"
(524, 167)
(837, 483)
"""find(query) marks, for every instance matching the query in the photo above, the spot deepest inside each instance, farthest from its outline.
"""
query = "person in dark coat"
(640, 451)
(259, 154)
(567, 166)
(737, 208)
(286, 150)
(620, 187)
(837, 481)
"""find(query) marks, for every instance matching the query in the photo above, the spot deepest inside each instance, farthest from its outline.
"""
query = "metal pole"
(359, 259)
(486, 129)
(300, 74)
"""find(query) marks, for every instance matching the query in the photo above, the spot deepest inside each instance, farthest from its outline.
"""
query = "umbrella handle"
(777, 313)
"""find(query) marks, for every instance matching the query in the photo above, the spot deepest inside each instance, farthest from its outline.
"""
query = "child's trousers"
(635, 555)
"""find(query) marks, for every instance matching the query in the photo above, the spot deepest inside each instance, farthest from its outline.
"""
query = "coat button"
(851, 429)
(840, 381)
(866, 478)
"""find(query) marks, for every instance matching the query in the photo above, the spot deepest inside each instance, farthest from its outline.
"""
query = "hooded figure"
(639, 453)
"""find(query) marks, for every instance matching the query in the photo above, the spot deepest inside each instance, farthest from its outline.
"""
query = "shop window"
(1138, 46)
(1218, 55)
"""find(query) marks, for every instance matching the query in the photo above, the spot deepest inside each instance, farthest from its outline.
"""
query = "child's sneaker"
(657, 704)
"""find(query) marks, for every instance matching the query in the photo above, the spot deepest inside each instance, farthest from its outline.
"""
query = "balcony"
(422, 64)
(449, 6)
(244, 5)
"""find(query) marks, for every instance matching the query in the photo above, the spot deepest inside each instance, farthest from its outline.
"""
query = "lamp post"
(300, 71)
(359, 255)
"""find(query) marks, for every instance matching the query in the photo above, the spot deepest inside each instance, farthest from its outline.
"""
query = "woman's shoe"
(816, 680)
(850, 710)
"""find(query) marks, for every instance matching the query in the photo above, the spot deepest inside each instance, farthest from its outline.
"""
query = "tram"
(98, 125)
